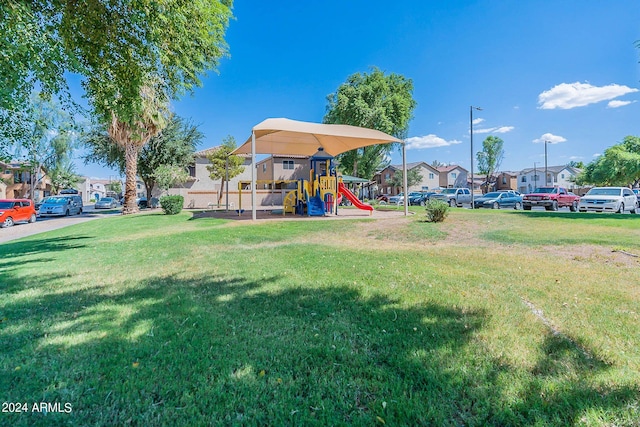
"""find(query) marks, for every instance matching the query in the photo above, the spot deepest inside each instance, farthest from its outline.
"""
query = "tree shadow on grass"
(11, 250)
(228, 350)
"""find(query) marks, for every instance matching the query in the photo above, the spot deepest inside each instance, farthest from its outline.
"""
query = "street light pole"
(471, 134)
(546, 179)
(535, 176)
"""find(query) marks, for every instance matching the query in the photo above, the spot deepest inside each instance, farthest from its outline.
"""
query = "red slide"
(352, 198)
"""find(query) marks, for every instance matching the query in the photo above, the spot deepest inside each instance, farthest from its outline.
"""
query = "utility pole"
(471, 134)
(546, 175)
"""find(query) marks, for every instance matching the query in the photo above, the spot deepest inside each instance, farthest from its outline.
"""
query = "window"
(192, 171)
(387, 176)
(504, 179)
(524, 178)
(431, 175)
(287, 164)
(17, 177)
(454, 175)
(264, 168)
(562, 176)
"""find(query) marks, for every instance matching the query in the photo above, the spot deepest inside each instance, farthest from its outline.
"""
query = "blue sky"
(565, 71)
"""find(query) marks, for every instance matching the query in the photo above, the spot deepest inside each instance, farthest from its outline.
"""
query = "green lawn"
(490, 318)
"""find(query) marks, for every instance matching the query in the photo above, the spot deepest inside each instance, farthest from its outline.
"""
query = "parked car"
(551, 198)
(454, 196)
(636, 191)
(397, 199)
(106, 203)
(517, 193)
(609, 199)
(16, 210)
(498, 200)
(420, 198)
(61, 206)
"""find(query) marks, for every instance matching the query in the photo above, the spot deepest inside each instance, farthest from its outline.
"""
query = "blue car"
(498, 200)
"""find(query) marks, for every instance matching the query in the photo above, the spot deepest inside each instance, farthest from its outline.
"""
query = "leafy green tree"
(63, 176)
(165, 155)
(618, 166)
(437, 164)
(134, 58)
(413, 177)
(49, 142)
(576, 164)
(167, 176)
(374, 101)
(489, 158)
(224, 165)
(115, 186)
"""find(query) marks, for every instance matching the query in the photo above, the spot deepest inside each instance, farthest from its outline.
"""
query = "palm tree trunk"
(131, 150)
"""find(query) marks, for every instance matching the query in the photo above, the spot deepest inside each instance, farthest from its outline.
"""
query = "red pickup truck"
(552, 198)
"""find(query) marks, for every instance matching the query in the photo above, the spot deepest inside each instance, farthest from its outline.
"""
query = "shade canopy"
(285, 136)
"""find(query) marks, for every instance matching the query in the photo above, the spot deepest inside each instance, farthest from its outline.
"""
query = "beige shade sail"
(285, 136)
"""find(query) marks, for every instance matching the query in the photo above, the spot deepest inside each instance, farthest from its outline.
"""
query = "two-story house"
(561, 176)
(452, 176)
(507, 180)
(17, 180)
(430, 178)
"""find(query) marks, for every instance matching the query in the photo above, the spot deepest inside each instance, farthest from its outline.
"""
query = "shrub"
(171, 205)
(437, 210)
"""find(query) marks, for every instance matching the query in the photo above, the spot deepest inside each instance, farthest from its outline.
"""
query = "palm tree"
(132, 137)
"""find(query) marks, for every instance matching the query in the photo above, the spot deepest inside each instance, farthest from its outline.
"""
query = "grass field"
(490, 318)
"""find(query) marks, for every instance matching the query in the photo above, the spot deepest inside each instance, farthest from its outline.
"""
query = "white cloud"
(571, 95)
(616, 103)
(428, 141)
(501, 129)
(597, 155)
(575, 157)
(477, 121)
(553, 139)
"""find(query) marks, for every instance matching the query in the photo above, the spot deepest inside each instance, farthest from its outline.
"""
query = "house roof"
(211, 150)
(413, 165)
(449, 168)
(552, 169)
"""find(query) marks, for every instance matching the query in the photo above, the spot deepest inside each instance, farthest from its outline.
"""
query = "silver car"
(61, 206)
(609, 199)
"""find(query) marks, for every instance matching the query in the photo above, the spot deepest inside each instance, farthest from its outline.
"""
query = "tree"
(575, 164)
(164, 156)
(169, 154)
(63, 176)
(618, 166)
(166, 176)
(489, 158)
(413, 177)
(48, 141)
(134, 58)
(374, 101)
(224, 165)
(437, 164)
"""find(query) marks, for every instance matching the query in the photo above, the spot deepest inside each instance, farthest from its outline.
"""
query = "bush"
(437, 210)
(171, 205)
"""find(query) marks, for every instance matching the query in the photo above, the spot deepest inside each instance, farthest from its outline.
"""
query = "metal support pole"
(471, 135)
(404, 178)
(253, 176)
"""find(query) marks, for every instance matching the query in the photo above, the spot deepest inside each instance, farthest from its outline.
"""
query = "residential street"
(51, 223)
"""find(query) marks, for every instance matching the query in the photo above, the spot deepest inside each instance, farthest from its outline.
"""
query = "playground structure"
(321, 193)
